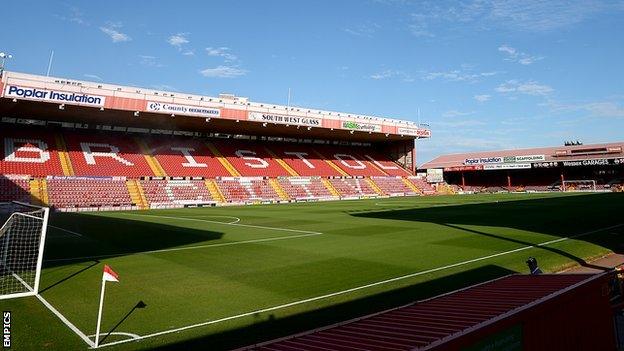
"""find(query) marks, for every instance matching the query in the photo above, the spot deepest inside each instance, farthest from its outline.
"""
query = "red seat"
(186, 157)
(106, 155)
(29, 151)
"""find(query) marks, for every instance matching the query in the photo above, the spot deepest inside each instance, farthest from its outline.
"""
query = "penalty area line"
(65, 230)
(337, 293)
(224, 223)
(184, 248)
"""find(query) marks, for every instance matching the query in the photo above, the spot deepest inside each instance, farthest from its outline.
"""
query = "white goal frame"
(34, 289)
(579, 181)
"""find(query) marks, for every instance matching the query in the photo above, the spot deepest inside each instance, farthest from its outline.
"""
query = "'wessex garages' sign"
(20, 92)
(592, 162)
(281, 119)
(162, 107)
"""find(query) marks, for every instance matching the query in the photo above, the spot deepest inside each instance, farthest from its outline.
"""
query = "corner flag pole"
(111, 276)
(99, 319)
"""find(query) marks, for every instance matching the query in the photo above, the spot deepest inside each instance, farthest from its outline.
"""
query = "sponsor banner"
(463, 168)
(422, 133)
(483, 160)
(20, 92)
(365, 127)
(506, 166)
(545, 164)
(505, 159)
(594, 162)
(281, 119)
(435, 175)
(163, 107)
(407, 131)
(529, 158)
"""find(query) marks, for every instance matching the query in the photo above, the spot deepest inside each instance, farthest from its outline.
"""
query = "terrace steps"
(278, 189)
(330, 187)
(215, 192)
(332, 165)
(411, 185)
(374, 186)
(136, 194)
(150, 159)
(282, 163)
(61, 148)
(224, 162)
(39, 191)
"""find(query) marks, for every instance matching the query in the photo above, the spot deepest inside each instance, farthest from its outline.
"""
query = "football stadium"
(147, 218)
(339, 222)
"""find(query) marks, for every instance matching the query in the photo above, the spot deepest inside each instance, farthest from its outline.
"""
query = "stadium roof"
(550, 154)
(34, 96)
(431, 323)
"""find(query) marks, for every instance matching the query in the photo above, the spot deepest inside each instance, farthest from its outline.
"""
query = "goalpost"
(579, 185)
(22, 239)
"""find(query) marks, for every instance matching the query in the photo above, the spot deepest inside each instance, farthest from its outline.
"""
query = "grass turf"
(205, 265)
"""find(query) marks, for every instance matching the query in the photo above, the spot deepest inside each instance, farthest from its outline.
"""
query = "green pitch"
(215, 278)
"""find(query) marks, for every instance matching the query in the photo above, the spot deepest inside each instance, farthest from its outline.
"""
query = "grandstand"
(596, 167)
(77, 145)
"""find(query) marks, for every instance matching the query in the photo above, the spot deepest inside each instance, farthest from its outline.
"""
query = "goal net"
(22, 238)
(579, 185)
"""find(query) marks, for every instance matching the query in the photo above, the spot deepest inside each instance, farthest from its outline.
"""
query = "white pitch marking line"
(411, 275)
(236, 224)
(66, 321)
(236, 219)
(187, 247)
(133, 336)
(65, 230)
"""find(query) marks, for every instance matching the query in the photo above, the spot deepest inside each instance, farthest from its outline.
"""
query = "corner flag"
(110, 275)
(107, 276)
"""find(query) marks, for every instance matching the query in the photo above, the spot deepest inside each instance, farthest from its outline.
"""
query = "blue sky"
(485, 74)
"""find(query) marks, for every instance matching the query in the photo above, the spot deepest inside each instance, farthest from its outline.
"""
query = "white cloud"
(363, 30)
(430, 17)
(93, 76)
(177, 40)
(164, 87)
(458, 75)
(482, 97)
(419, 25)
(223, 72)
(514, 55)
(456, 113)
(527, 88)
(605, 109)
(72, 14)
(391, 73)
(383, 74)
(149, 61)
(602, 109)
(112, 30)
(189, 53)
(223, 52)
